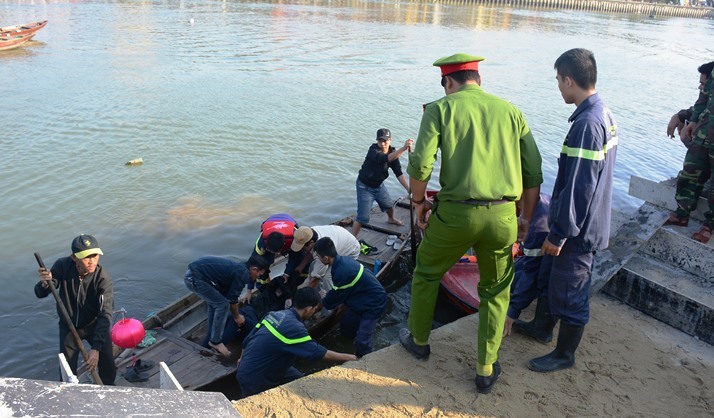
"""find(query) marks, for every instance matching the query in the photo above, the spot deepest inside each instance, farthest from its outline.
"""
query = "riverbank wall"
(625, 7)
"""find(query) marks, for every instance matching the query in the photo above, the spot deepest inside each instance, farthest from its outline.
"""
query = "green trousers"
(453, 229)
(696, 171)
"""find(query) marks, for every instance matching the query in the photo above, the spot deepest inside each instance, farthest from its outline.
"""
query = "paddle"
(411, 217)
(68, 321)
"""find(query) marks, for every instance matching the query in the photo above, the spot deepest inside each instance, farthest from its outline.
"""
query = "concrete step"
(670, 294)
(673, 245)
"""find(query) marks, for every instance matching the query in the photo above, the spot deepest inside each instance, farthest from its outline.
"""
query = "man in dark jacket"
(87, 293)
(358, 289)
(219, 281)
(370, 182)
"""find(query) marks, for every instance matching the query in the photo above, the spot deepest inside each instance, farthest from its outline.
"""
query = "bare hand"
(550, 249)
(288, 303)
(409, 144)
(240, 320)
(92, 360)
(674, 123)
(45, 277)
(523, 226)
(688, 131)
(422, 213)
(508, 326)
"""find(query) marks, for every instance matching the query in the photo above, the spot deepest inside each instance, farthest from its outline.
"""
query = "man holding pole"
(85, 289)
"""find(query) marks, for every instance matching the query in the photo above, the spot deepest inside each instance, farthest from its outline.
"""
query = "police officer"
(271, 348)
(489, 161)
(579, 219)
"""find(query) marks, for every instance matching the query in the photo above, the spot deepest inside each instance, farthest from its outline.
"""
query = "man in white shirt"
(305, 238)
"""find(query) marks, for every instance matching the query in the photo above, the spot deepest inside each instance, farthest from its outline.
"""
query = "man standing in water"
(489, 161)
(579, 218)
(85, 288)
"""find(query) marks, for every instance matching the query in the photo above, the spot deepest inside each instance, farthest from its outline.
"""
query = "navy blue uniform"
(526, 287)
(364, 297)
(580, 207)
(270, 350)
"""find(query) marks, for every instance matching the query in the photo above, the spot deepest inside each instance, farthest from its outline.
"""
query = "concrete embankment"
(603, 6)
(628, 364)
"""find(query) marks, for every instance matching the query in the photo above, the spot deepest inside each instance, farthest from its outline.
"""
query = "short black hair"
(325, 247)
(706, 69)
(462, 77)
(306, 297)
(274, 242)
(257, 261)
(578, 64)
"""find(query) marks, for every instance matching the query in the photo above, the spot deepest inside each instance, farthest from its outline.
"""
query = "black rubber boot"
(563, 356)
(541, 327)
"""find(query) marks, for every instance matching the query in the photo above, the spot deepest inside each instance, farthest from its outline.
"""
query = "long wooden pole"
(411, 217)
(68, 321)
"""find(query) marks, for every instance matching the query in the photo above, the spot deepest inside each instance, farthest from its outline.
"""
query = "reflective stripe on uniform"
(257, 246)
(280, 336)
(589, 154)
(352, 283)
(532, 252)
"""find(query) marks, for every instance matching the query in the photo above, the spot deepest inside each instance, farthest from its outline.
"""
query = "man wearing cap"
(370, 181)
(345, 243)
(87, 293)
(489, 160)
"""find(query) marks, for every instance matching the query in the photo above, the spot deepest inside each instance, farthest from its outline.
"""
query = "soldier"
(698, 163)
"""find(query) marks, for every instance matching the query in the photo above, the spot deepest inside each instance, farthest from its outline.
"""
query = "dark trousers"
(569, 286)
(359, 329)
(261, 383)
(105, 368)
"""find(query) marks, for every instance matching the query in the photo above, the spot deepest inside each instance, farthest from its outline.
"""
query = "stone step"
(674, 246)
(668, 293)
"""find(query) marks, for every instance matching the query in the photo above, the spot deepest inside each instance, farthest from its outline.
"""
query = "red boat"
(21, 30)
(15, 36)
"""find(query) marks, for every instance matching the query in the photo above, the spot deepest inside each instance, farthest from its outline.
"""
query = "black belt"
(476, 202)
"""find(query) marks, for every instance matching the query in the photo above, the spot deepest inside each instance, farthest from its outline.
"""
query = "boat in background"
(18, 35)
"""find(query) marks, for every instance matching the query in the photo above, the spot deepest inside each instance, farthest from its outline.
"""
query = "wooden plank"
(626, 242)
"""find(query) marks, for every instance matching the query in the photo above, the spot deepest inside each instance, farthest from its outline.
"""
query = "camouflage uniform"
(699, 160)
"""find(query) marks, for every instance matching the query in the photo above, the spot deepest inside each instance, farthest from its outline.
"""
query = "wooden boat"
(15, 36)
(21, 30)
(182, 326)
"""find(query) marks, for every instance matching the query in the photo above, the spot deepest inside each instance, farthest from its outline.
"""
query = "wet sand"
(628, 364)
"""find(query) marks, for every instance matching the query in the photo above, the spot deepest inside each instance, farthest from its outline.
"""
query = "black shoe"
(541, 327)
(484, 384)
(563, 357)
(420, 352)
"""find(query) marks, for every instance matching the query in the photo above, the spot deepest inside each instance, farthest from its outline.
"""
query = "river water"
(243, 109)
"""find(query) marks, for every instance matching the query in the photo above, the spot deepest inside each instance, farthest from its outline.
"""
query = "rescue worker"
(86, 290)
(356, 288)
(271, 348)
(531, 281)
(276, 237)
(305, 238)
(489, 160)
(579, 218)
(699, 160)
(219, 282)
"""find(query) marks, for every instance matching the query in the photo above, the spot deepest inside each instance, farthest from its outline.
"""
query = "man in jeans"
(219, 281)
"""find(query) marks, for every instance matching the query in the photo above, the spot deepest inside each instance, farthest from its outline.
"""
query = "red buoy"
(128, 332)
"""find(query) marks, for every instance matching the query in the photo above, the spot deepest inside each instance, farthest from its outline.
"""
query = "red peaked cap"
(458, 62)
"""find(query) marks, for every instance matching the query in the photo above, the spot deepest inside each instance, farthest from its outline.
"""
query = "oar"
(68, 320)
(411, 216)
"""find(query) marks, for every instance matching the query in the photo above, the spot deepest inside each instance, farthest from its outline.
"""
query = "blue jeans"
(217, 305)
(365, 199)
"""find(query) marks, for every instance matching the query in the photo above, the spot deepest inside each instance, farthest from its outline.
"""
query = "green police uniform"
(488, 154)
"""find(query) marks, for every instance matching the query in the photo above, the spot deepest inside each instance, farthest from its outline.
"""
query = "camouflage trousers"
(697, 170)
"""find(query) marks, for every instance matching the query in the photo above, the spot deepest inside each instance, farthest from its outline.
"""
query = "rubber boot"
(563, 356)
(541, 327)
